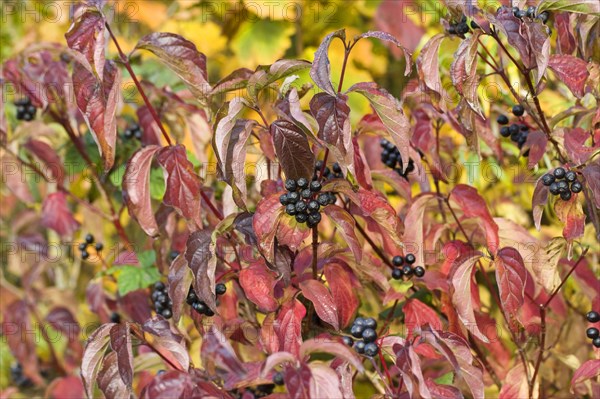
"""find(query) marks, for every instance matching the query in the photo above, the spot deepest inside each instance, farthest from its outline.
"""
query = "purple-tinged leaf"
(109, 379)
(538, 202)
(587, 371)
(136, 189)
(152, 134)
(414, 233)
(93, 355)
(217, 354)
(201, 259)
(57, 216)
(515, 34)
(428, 65)
(293, 150)
(342, 284)
(417, 314)
(298, 381)
(511, 276)
(87, 36)
(539, 43)
(571, 214)
(120, 342)
(171, 384)
(13, 177)
(536, 142)
(277, 359)
(565, 40)
(49, 157)
(345, 224)
(180, 278)
(408, 361)
(391, 114)
(515, 384)
(320, 71)
(391, 39)
(182, 182)
(332, 114)
(265, 222)
(463, 71)
(236, 80)
(258, 283)
(288, 326)
(61, 319)
(592, 179)
(337, 349)
(322, 300)
(266, 75)
(182, 57)
(325, 382)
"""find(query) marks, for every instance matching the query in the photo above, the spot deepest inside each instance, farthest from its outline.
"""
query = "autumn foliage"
(181, 175)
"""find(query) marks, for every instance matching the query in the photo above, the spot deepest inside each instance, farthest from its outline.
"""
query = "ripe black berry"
(85, 254)
(419, 271)
(514, 129)
(543, 16)
(290, 209)
(592, 333)
(530, 11)
(293, 197)
(306, 193)
(462, 28)
(313, 206)
(570, 176)
(554, 188)
(369, 335)
(302, 183)
(452, 30)
(565, 195)
(563, 186)
(99, 246)
(504, 131)
(159, 286)
(290, 185)
(356, 330)
(323, 199)
(337, 168)
(371, 349)
(278, 378)
(474, 24)
(518, 110)
(593, 316)
(410, 259)
(199, 307)
(547, 179)
(301, 217)
(89, 238)
(115, 317)
(128, 134)
(370, 323)
(315, 186)
(313, 219)
(162, 302)
(397, 260)
(502, 119)
(559, 173)
(576, 187)
(301, 207)
(283, 199)
(167, 313)
(347, 340)
(359, 321)
(407, 270)
(82, 246)
(397, 273)
(220, 289)
(359, 347)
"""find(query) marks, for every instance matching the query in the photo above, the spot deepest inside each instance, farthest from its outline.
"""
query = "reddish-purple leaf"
(538, 202)
(461, 278)
(587, 371)
(320, 71)
(69, 387)
(575, 140)
(182, 57)
(218, 354)
(61, 319)
(97, 98)
(342, 284)
(265, 221)
(136, 189)
(150, 128)
(322, 300)
(515, 385)
(474, 206)
(169, 345)
(237, 79)
(536, 142)
(200, 257)
(171, 384)
(375, 206)
(439, 391)
(539, 44)
(180, 278)
(258, 282)
(57, 216)
(337, 349)
(345, 224)
(389, 12)
(265, 75)
(332, 114)
(463, 71)
(93, 355)
(293, 150)
(298, 381)
(512, 27)
(49, 157)
(136, 305)
(414, 230)
(565, 39)
(592, 179)
(511, 276)
(87, 36)
(428, 65)
(417, 314)
(120, 342)
(408, 361)
(390, 111)
(109, 379)
(572, 71)
(571, 214)
(182, 182)
(391, 39)
(13, 176)
(288, 326)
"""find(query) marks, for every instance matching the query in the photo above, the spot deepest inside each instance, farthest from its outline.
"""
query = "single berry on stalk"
(593, 316)
(115, 317)
(518, 110)
(502, 120)
(398, 260)
(592, 333)
(89, 238)
(371, 349)
(419, 271)
(220, 289)
(410, 259)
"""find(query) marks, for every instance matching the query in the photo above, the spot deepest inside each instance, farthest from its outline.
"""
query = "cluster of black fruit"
(163, 305)
(201, 307)
(531, 12)
(133, 131)
(89, 240)
(517, 132)
(391, 157)
(403, 267)
(562, 182)
(18, 378)
(25, 109)
(334, 173)
(304, 201)
(593, 333)
(461, 27)
(364, 330)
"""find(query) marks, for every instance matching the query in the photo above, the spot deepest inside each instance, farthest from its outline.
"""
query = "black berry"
(301, 207)
(278, 378)
(313, 206)
(220, 289)
(347, 340)
(371, 349)
(301, 217)
(419, 271)
(502, 119)
(313, 219)
(398, 260)
(283, 199)
(592, 333)
(462, 28)
(554, 188)
(290, 185)
(159, 286)
(474, 24)
(559, 173)
(167, 313)
(359, 321)
(410, 259)
(530, 12)
(576, 187)
(85, 254)
(315, 186)
(323, 199)
(543, 16)
(407, 270)
(89, 238)
(596, 342)
(359, 347)
(397, 273)
(290, 209)
(504, 131)
(370, 323)
(565, 195)
(570, 176)
(337, 168)
(593, 317)
(547, 179)
(302, 183)
(357, 330)
(82, 246)
(293, 197)
(518, 110)
(514, 129)
(369, 335)
(115, 317)
(99, 246)
(306, 193)
(563, 186)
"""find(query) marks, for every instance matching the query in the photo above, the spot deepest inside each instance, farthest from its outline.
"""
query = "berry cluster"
(25, 110)
(364, 330)
(390, 156)
(530, 12)
(162, 303)
(404, 267)
(201, 307)
(17, 376)
(461, 27)
(517, 132)
(89, 240)
(334, 173)
(303, 200)
(593, 333)
(562, 182)
(133, 131)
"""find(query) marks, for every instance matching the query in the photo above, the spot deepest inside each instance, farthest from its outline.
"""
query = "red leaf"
(258, 282)
(536, 142)
(265, 221)
(182, 182)
(515, 384)
(109, 380)
(320, 71)
(152, 133)
(325, 382)
(575, 144)
(237, 79)
(461, 277)
(168, 344)
(120, 342)
(588, 370)
(473, 206)
(50, 159)
(293, 150)
(136, 189)
(288, 326)
(298, 381)
(180, 278)
(572, 71)
(201, 259)
(571, 214)
(538, 202)
(414, 233)
(374, 205)
(13, 176)
(342, 284)
(345, 224)
(539, 45)
(428, 66)
(57, 216)
(182, 57)
(592, 180)
(332, 113)
(417, 314)
(93, 355)
(511, 276)
(512, 27)
(87, 36)
(565, 39)
(69, 387)
(218, 354)
(463, 71)
(443, 391)
(339, 350)
(322, 300)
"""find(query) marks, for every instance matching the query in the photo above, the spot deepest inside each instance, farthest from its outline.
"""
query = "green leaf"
(147, 258)
(131, 278)
(157, 184)
(262, 41)
(590, 7)
(116, 177)
(446, 379)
